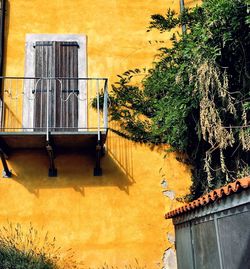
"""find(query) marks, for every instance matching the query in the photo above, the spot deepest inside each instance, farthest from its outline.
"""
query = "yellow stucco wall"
(119, 216)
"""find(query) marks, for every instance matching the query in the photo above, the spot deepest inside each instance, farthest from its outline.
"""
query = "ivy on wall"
(196, 98)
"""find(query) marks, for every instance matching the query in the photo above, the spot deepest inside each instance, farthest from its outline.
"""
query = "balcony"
(55, 114)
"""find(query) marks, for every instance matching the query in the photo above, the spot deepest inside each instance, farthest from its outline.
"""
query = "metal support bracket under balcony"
(52, 169)
(6, 171)
(99, 150)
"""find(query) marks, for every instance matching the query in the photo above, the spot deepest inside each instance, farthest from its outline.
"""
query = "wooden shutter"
(44, 67)
(57, 59)
(67, 103)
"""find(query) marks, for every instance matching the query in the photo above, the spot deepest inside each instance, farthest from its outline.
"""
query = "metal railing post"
(98, 109)
(2, 103)
(98, 169)
(105, 105)
(47, 118)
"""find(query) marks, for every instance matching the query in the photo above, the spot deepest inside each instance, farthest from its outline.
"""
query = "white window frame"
(28, 101)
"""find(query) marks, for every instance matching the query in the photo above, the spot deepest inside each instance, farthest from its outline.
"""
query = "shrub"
(22, 248)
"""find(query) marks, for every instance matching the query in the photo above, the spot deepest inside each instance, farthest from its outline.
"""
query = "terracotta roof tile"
(227, 190)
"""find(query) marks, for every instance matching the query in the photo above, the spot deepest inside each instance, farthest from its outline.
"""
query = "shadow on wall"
(120, 150)
(75, 170)
(9, 115)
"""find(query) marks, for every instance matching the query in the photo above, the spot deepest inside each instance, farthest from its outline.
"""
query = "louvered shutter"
(67, 101)
(56, 59)
(44, 67)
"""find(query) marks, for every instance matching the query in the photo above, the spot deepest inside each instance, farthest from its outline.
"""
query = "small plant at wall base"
(197, 96)
(135, 265)
(22, 248)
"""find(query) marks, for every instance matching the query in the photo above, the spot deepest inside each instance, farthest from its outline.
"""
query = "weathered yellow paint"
(120, 216)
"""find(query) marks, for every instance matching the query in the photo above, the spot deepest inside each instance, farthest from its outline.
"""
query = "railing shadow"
(10, 118)
(121, 151)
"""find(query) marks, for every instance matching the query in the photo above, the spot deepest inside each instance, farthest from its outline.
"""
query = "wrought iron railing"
(54, 104)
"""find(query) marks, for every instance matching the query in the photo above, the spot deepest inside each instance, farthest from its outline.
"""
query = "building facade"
(106, 208)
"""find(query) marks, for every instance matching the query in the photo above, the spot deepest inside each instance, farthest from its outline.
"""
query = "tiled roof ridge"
(233, 187)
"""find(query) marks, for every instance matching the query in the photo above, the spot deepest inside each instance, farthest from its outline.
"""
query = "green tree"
(196, 98)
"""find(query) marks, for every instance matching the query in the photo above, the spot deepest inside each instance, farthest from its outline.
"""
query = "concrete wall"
(119, 216)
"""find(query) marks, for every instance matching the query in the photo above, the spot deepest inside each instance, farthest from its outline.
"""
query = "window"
(55, 56)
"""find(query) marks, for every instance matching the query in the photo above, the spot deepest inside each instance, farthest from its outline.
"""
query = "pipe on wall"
(2, 35)
(182, 7)
(2, 40)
